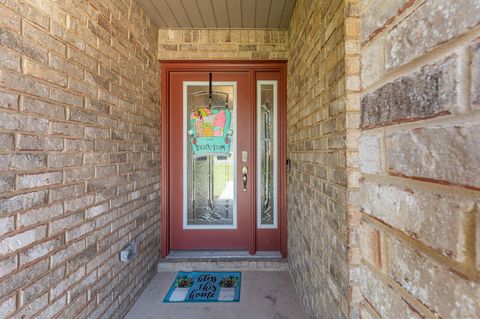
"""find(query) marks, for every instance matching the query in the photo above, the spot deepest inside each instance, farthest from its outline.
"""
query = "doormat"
(205, 287)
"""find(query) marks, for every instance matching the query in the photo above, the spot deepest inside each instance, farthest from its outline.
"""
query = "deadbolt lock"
(244, 156)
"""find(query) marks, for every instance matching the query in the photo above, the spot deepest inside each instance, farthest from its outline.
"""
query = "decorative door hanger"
(210, 132)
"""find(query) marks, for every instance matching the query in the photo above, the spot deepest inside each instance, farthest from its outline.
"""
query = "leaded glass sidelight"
(209, 180)
(267, 154)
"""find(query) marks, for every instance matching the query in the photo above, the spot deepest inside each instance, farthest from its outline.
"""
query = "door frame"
(252, 67)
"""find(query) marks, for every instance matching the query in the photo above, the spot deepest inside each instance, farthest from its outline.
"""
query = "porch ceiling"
(233, 14)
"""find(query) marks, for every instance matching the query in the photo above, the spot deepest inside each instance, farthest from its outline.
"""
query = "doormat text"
(205, 287)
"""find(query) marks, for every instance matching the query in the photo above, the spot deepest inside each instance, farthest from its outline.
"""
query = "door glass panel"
(267, 154)
(209, 156)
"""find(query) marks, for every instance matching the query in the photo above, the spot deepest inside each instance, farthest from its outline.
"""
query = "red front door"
(211, 196)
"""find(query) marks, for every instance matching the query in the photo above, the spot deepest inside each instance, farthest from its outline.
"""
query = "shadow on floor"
(264, 295)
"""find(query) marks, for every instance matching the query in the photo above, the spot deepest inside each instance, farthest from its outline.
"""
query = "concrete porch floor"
(264, 295)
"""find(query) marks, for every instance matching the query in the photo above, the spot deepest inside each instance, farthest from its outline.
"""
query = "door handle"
(244, 178)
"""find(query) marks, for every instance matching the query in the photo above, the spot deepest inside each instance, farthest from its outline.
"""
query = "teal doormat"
(205, 287)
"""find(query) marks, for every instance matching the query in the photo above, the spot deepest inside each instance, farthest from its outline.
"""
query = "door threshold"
(222, 255)
(222, 260)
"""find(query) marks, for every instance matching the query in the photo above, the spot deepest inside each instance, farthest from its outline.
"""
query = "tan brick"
(53, 309)
(71, 279)
(22, 201)
(82, 286)
(18, 161)
(20, 122)
(97, 210)
(68, 129)
(79, 203)
(41, 285)
(8, 100)
(7, 306)
(72, 220)
(62, 65)
(79, 145)
(49, 123)
(97, 81)
(60, 160)
(30, 142)
(29, 310)
(39, 215)
(39, 180)
(436, 219)
(83, 88)
(99, 32)
(7, 142)
(38, 143)
(79, 231)
(428, 280)
(82, 116)
(93, 264)
(410, 37)
(44, 73)
(66, 97)
(88, 254)
(9, 59)
(373, 61)
(447, 153)
(370, 150)
(428, 92)
(379, 14)
(10, 20)
(20, 240)
(94, 133)
(97, 158)
(477, 236)
(15, 281)
(40, 250)
(54, 144)
(82, 59)
(67, 252)
(475, 71)
(69, 191)
(22, 45)
(370, 244)
(79, 174)
(58, 30)
(387, 302)
(8, 265)
(77, 307)
(34, 34)
(7, 182)
(23, 83)
(28, 11)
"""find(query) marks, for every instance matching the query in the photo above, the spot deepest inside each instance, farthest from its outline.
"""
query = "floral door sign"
(210, 132)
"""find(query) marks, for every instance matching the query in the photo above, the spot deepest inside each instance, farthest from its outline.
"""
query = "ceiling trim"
(220, 14)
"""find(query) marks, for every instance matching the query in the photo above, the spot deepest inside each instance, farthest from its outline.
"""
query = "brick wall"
(220, 44)
(323, 119)
(419, 155)
(79, 156)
